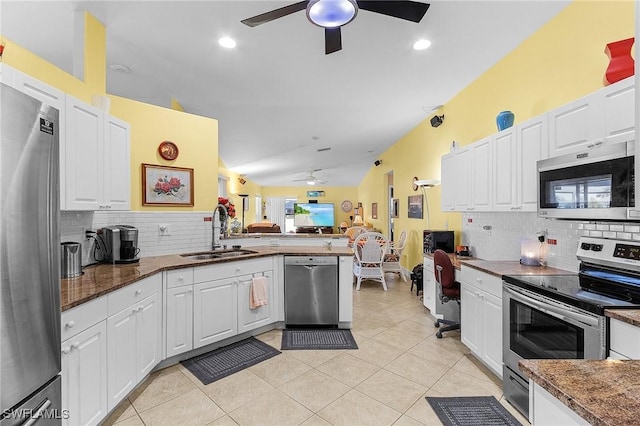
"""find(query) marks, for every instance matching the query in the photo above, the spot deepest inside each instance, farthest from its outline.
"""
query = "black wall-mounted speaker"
(437, 120)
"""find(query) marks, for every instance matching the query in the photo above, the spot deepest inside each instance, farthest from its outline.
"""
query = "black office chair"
(448, 288)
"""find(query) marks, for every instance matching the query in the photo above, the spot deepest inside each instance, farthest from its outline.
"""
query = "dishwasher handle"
(310, 260)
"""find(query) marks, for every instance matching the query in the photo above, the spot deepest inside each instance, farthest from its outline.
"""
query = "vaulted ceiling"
(279, 99)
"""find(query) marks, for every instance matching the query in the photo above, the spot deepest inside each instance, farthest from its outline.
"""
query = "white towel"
(258, 292)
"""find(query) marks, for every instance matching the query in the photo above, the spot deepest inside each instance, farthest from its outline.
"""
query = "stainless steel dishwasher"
(311, 290)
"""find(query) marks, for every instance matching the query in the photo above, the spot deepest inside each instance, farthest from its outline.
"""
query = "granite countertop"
(630, 316)
(603, 392)
(499, 268)
(285, 235)
(98, 280)
(512, 267)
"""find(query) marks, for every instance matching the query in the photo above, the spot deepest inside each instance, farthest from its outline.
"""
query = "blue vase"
(504, 120)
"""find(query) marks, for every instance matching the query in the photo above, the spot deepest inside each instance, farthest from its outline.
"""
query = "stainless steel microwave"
(596, 184)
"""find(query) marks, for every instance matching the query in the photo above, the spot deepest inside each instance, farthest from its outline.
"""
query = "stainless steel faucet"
(218, 226)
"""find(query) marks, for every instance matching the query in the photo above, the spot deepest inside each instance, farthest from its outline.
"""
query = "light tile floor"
(384, 382)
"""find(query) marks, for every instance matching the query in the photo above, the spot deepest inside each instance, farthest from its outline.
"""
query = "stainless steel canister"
(71, 259)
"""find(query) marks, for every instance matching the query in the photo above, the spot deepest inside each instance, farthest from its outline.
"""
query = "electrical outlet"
(164, 229)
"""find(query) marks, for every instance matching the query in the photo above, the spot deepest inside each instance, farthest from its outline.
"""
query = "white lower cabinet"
(84, 376)
(133, 336)
(214, 311)
(250, 319)
(210, 303)
(624, 340)
(179, 320)
(547, 410)
(481, 316)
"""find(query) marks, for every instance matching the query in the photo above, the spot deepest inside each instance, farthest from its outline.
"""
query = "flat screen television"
(313, 214)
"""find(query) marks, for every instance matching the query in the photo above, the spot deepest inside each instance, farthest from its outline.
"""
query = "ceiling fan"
(311, 179)
(333, 14)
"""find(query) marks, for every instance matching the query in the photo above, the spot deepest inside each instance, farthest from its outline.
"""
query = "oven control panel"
(609, 251)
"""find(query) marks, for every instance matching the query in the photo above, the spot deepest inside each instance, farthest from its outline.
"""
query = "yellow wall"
(196, 137)
(563, 61)
(333, 194)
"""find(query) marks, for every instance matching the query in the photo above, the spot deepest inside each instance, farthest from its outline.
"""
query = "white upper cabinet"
(532, 137)
(516, 153)
(448, 179)
(83, 155)
(97, 159)
(505, 172)
(619, 111)
(117, 169)
(605, 116)
(574, 126)
(481, 166)
(462, 179)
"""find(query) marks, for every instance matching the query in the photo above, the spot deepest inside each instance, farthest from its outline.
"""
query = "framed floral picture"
(166, 186)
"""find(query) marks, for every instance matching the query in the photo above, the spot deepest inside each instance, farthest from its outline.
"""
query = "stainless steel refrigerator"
(29, 261)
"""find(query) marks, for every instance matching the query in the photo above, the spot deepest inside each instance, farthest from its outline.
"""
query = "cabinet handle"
(598, 143)
(479, 280)
(590, 145)
(75, 345)
(180, 278)
(134, 310)
(140, 308)
(65, 351)
(138, 292)
(190, 291)
(70, 324)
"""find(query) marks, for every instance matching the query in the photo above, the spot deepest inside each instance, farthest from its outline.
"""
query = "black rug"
(326, 338)
(227, 360)
(471, 411)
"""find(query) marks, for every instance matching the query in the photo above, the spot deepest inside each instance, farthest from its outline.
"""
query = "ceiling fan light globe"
(331, 13)
(311, 182)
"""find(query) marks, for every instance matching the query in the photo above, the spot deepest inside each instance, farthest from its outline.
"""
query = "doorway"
(391, 205)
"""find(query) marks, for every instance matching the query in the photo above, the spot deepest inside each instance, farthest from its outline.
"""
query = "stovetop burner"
(609, 277)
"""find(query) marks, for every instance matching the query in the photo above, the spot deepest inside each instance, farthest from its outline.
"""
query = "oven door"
(538, 327)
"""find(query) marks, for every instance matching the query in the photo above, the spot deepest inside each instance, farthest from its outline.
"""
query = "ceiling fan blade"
(275, 14)
(408, 10)
(332, 40)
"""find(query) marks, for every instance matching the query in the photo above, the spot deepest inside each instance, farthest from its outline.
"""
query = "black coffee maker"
(122, 243)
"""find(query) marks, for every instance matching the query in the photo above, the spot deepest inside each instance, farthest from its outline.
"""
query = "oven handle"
(571, 316)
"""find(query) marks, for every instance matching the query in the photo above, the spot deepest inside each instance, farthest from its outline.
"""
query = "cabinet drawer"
(133, 293)
(78, 319)
(179, 277)
(625, 338)
(486, 282)
(231, 269)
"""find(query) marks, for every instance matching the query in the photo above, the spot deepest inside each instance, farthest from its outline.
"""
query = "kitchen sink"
(209, 255)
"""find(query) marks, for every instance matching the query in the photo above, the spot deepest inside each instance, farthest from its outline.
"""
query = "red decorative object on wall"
(620, 61)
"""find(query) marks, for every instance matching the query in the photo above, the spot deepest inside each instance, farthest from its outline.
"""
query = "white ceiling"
(277, 96)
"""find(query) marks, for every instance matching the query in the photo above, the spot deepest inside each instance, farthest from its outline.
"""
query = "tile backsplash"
(491, 236)
(497, 236)
(186, 231)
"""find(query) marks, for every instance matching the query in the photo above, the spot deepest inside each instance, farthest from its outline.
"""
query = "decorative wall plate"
(168, 150)
(346, 206)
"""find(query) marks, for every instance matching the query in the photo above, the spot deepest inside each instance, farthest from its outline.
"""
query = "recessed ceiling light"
(421, 44)
(120, 68)
(227, 42)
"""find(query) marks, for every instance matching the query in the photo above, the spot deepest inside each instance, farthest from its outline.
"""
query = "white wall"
(502, 241)
(187, 231)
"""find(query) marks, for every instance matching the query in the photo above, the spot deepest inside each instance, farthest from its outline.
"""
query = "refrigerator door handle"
(37, 415)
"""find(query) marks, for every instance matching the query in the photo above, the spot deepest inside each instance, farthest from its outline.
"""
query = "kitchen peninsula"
(120, 322)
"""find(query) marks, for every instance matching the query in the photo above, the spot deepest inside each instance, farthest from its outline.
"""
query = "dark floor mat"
(317, 339)
(471, 411)
(227, 360)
